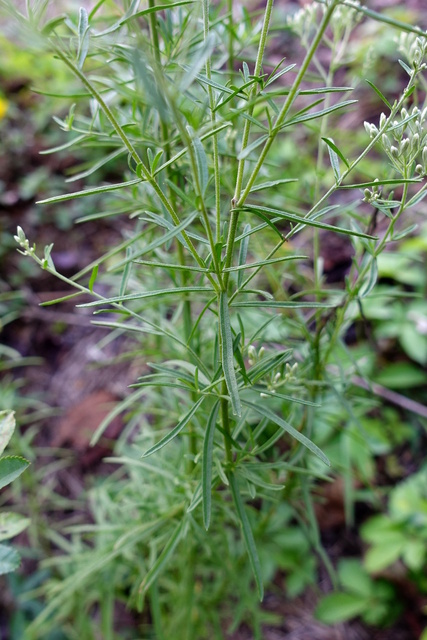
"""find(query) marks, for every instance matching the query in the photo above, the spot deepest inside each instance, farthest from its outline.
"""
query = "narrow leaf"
(247, 534)
(146, 294)
(84, 33)
(379, 94)
(371, 281)
(92, 278)
(227, 354)
(207, 465)
(172, 434)
(282, 304)
(267, 413)
(90, 192)
(272, 183)
(159, 564)
(305, 221)
(332, 146)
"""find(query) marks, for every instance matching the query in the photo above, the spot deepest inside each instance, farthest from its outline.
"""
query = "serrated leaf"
(207, 465)
(11, 524)
(9, 559)
(7, 427)
(174, 432)
(270, 415)
(247, 534)
(228, 355)
(11, 468)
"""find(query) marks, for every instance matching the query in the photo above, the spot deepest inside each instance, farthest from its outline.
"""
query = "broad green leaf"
(9, 559)
(90, 192)
(163, 558)
(270, 415)
(228, 355)
(11, 468)
(172, 434)
(7, 427)
(207, 465)
(353, 578)
(292, 217)
(147, 294)
(338, 607)
(11, 524)
(247, 534)
(383, 555)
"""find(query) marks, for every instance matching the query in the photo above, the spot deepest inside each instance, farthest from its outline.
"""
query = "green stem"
(213, 120)
(288, 102)
(245, 138)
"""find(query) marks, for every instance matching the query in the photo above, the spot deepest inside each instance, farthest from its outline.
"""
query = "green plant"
(374, 600)
(11, 468)
(233, 364)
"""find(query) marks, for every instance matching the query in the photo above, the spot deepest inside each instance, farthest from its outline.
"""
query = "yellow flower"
(3, 107)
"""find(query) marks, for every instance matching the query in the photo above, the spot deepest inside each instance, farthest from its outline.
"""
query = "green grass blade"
(227, 354)
(267, 413)
(247, 534)
(172, 434)
(207, 465)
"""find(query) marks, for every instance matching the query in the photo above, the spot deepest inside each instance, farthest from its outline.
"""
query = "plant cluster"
(245, 370)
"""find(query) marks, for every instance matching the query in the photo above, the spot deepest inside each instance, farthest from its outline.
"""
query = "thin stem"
(288, 102)
(213, 120)
(245, 138)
